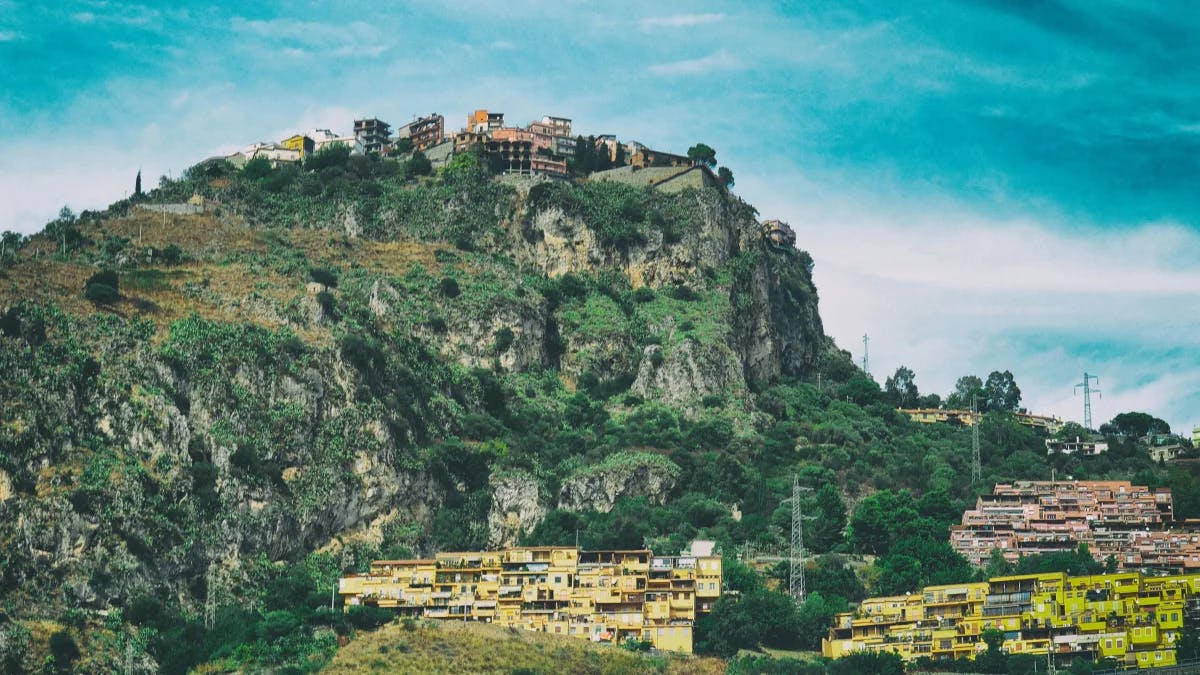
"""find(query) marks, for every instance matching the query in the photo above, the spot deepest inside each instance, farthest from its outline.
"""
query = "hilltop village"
(540, 148)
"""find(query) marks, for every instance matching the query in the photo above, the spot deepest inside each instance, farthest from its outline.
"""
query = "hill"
(209, 417)
(453, 648)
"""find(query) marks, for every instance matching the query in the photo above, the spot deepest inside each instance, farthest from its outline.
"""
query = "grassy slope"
(482, 648)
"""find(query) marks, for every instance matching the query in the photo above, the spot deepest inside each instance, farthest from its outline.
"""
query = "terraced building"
(598, 595)
(1133, 618)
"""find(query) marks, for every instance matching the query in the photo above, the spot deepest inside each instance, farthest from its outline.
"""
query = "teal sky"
(983, 184)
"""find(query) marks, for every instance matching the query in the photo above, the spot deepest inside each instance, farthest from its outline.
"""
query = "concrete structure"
(1132, 523)
(275, 153)
(667, 179)
(440, 154)
(779, 233)
(645, 157)
(425, 132)
(482, 121)
(1167, 452)
(1052, 425)
(304, 144)
(323, 138)
(1137, 620)
(597, 595)
(514, 155)
(1196, 437)
(560, 126)
(1076, 446)
(372, 135)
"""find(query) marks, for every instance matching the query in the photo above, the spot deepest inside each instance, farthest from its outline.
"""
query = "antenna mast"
(866, 358)
(1088, 390)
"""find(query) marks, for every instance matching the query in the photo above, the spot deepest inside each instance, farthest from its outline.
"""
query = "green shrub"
(172, 254)
(64, 650)
(449, 288)
(324, 276)
(102, 287)
(643, 294)
(504, 340)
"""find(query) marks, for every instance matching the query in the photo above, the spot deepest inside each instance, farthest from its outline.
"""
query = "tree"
(725, 176)
(9, 243)
(64, 651)
(965, 388)
(418, 165)
(880, 519)
(759, 617)
(1136, 425)
(137, 185)
(257, 168)
(620, 159)
(825, 531)
(1001, 392)
(331, 155)
(703, 154)
(901, 388)
(402, 146)
(63, 229)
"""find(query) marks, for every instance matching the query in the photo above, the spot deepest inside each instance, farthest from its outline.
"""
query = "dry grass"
(462, 648)
(226, 288)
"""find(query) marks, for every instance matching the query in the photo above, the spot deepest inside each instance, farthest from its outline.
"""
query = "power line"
(1088, 390)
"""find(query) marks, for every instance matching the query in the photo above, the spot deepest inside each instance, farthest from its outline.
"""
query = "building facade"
(1132, 618)
(372, 135)
(1132, 523)
(424, 132)
(1052, 425)
(608, 596)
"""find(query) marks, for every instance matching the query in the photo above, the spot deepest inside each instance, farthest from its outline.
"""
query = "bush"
(643, 294)
(257, 168)
(324, 276)
(64, 650)
(172, 255)
(449, 288)
(504, 340)
(685, 293)
(102, 287)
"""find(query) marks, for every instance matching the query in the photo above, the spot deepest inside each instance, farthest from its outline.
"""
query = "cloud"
(717, 61)
(9, 36)
(502, 44)
(679, 21)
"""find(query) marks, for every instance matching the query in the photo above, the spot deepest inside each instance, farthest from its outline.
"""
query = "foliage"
(326, 276)
(102, 287)
(703, 154)
(725, 177)
(1135, 425)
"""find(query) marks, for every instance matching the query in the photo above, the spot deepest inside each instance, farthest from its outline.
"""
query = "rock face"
(516, 508)
(597, 488)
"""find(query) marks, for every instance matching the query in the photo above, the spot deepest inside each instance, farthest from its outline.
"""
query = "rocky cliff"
(408, 368)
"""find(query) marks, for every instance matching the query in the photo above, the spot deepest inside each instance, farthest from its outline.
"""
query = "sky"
(984, 184)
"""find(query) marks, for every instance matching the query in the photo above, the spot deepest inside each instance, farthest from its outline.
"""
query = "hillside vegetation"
(208, 418)
(454, 648)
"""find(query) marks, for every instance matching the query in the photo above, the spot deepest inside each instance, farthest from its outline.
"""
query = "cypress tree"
(137, 184)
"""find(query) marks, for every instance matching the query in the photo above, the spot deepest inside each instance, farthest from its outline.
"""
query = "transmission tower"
(1088, 390)
(866, 359)
(976, 465)
(796, 554)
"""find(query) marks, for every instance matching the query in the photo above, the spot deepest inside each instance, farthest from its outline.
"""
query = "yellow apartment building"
(1130, 617)
(597, 595)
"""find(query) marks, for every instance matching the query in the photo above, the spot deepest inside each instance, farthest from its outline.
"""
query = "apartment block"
(1130, 617)
(603, 596)
(1132, 523)
(304, 144)
(482, 121)
(425, 132)
(373, 135)
(968, 418)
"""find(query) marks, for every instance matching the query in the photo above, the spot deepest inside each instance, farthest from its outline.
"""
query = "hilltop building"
(1136, 619)
(1076, 446)
(323, 138)
(1131, 523)
(596, 595)
(425, 132)
(644, 157)
(304, 144)
(483, 122)
(372, 135)
(968, 418)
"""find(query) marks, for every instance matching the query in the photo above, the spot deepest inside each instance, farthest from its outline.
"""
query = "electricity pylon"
(796, 553)
(1088, 390)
